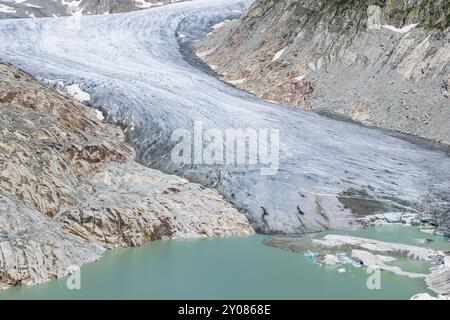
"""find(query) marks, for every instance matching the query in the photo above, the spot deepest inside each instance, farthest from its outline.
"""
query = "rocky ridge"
(381, 63)
(70, 188)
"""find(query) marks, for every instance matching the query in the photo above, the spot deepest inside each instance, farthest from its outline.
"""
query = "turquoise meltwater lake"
(233, 268)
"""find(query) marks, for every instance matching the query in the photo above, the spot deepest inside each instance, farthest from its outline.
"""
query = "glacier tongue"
(131, 66)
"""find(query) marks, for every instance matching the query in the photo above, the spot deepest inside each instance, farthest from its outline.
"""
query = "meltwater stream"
(131, 66)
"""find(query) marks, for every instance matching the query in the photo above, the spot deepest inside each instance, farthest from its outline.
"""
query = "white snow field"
(131, 66)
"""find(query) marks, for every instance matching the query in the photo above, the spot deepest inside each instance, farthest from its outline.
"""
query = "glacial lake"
(233, 268)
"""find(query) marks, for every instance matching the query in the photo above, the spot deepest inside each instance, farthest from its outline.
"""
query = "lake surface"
(236, 268)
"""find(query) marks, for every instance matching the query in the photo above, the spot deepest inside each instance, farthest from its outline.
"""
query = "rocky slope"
(52, 8)
(70, 189)
(380, 63)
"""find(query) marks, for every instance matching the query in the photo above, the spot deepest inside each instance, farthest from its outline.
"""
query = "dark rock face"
(380, 63)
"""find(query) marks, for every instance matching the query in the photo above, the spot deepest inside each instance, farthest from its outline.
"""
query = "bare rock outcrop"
(382, 63)
(70, 189)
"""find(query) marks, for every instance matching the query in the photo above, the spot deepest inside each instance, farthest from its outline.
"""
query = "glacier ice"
(131, 66)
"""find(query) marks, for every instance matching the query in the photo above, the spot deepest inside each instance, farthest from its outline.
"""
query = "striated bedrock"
(52, 8)
(380, 63)
(70, 189)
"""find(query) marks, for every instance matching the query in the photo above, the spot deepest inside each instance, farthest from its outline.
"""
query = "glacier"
(132, 68)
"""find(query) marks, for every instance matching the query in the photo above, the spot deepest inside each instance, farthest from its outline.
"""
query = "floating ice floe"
(7, 9)
(78, 94)
(99, 115)
(278, 55)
